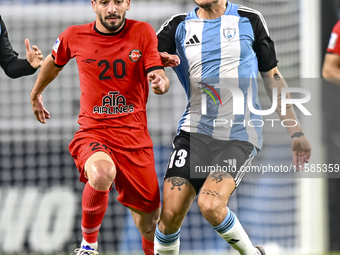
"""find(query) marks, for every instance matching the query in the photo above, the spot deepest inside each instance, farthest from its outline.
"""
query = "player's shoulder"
(250, 13)
(177, 18)
(336, 28)
(75, 29)
(173, 22)
(255, 17)
(137, 24)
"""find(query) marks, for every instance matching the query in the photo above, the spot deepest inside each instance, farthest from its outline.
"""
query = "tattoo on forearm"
(279, 103)
(218, 177)
(178, 182)
(209, 192)
(298, 134)
(277, 77)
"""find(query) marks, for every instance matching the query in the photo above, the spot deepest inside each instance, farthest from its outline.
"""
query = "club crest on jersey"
(229, 33)
(113, 103)
(135, 55)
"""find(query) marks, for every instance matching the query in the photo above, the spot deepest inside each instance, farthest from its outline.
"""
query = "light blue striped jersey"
(220, 60)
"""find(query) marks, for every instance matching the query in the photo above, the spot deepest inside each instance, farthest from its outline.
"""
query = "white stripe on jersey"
(247, 9)
(253, 135)
(231, 50)
(230, 61)
(193, 52)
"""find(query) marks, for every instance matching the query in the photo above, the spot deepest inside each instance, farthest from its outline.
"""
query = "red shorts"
(136, 178)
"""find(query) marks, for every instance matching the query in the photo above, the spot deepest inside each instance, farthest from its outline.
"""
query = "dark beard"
(112, 27)
(207, 6)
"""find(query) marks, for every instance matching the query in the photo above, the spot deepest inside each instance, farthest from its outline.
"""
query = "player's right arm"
(49, 71)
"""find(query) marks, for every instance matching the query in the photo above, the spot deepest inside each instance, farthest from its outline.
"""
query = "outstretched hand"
(34, 55)
(39, 110)
(301, 149)
(169, 60)
(157, 83)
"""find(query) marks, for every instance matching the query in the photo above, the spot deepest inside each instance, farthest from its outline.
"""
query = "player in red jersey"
(116, 58)
(331, 66)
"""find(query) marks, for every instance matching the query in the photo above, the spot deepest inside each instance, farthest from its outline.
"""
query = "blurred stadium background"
(40, 195)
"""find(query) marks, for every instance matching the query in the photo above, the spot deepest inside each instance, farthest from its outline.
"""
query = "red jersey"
(113, 78)
(334, 41)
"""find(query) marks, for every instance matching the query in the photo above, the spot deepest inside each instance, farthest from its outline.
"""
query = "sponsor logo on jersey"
(56, 45)
(113, 103)
(135, 55)
(332, 41)
(88, 61)
(193, 40)
(229, 33)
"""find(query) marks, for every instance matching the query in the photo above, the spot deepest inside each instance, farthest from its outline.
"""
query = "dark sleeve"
(166, 34)
(13, 66)
(263, 45)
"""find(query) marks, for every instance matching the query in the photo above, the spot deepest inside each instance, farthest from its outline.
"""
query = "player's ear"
(128, 5)
(94, 2)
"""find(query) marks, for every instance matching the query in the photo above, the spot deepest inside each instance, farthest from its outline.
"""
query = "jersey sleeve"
(263, 44)
(166, 34)
(151, 57)
(334, 41)
(13, 66)
(61, 52)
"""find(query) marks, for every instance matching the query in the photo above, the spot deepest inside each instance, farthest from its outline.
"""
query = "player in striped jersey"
(221, 47)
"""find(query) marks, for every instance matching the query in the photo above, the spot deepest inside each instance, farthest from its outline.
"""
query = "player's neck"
(214, 12)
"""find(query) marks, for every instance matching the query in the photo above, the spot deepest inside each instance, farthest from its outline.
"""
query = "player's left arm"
(331, 68)
(159, 81)
(301, 147)
(13, 66)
